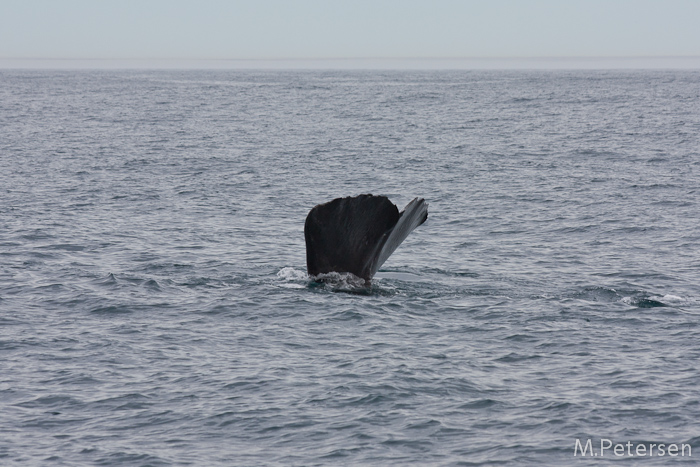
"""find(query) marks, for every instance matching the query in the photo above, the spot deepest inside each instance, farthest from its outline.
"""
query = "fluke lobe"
(357, 234)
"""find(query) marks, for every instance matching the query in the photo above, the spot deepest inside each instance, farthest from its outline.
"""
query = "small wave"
(635, 298)
(653, 301)
(522, 99)
(642, 302)
(49, 401)
(108, 281)
(672, 299)
(111, 310)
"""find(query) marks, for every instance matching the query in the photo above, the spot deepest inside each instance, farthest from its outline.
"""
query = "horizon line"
(385, 63)
(325, 58)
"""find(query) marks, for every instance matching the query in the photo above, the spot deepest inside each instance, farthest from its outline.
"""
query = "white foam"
(627, 300)
(291, 274)
(342, 280)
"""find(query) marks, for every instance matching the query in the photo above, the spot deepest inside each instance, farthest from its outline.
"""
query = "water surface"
(154, 305)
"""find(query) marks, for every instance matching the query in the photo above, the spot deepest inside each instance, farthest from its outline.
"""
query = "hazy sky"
(274, 29)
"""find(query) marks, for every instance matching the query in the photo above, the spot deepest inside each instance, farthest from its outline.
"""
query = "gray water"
(154, 304)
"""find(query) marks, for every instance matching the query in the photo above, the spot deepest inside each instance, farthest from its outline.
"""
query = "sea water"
(155, 308)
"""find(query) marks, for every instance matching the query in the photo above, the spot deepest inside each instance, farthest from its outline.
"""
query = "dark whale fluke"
(357, 234)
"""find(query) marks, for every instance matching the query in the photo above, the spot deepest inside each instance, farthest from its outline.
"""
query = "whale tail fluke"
(358, 234)
(413, 215)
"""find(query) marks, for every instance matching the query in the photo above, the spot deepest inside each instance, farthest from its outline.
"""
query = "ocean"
(155, 308)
